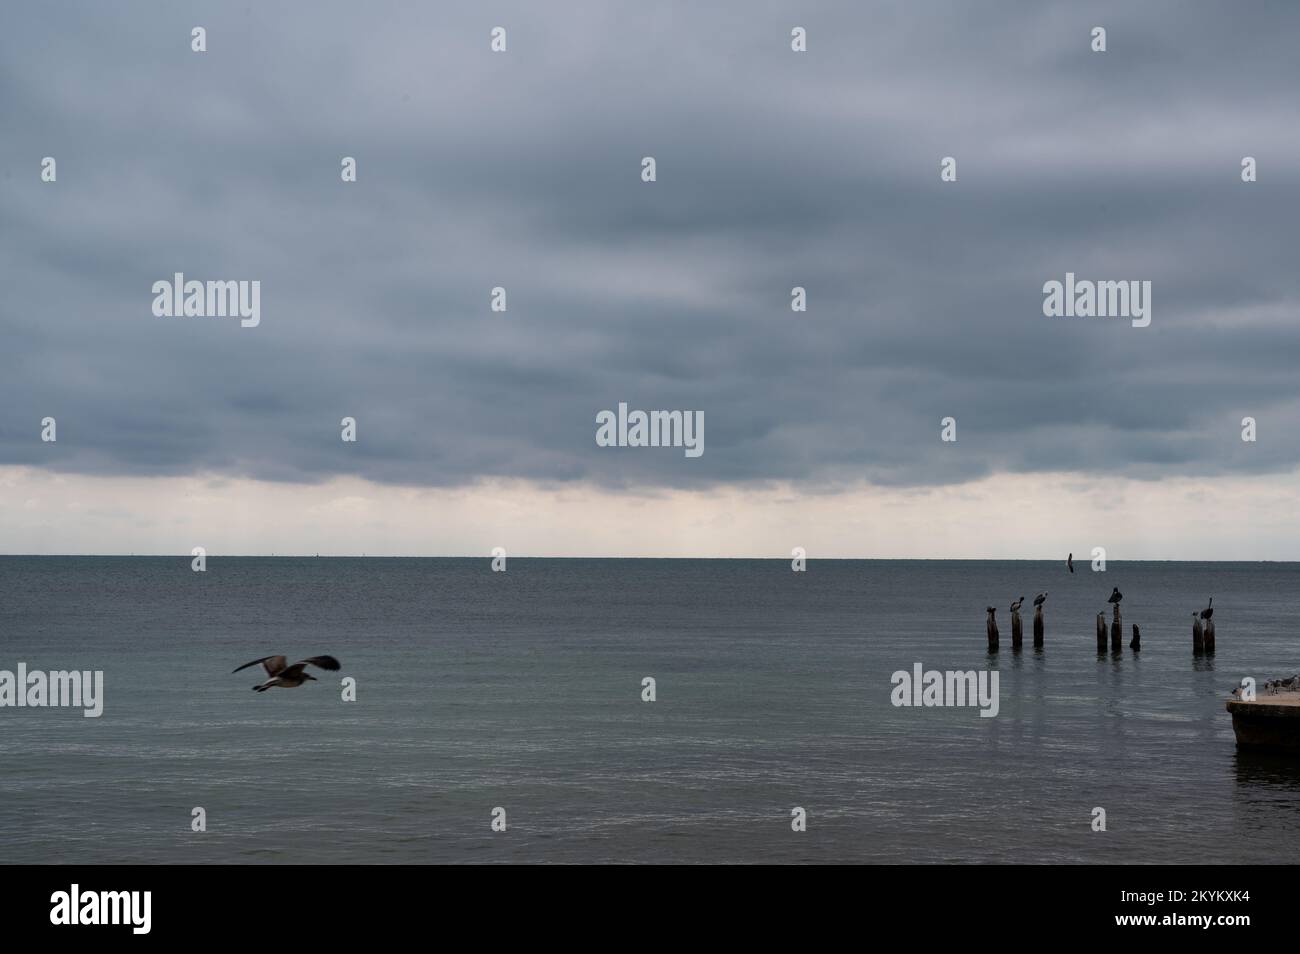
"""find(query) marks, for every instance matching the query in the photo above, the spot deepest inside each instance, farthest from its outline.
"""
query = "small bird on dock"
(1209, 610)
(1040, 598)
(1275, 686)
(286, 676)
(1115, 595)
(1015, 607)
(1069, 562)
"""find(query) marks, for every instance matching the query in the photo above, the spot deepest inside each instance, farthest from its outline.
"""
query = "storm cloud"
(775, 169)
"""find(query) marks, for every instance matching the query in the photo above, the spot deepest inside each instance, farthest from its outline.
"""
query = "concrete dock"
(1272, 721)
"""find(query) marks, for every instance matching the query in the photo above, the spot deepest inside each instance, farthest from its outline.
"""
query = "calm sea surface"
(523, 690)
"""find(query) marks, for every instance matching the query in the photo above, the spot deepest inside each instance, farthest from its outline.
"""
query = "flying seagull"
(1040, 598)
(1209, 610)
(286, 676)
(1069, 562)
(1115, 595)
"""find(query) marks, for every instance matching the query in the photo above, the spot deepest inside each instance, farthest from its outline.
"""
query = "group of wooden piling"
(1017, 629)
(1116, 641)
(1202, 636)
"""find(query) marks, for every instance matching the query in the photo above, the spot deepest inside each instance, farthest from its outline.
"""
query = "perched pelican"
(285, 676)
(1069, 562)
(1040, 598)
(1209, 610)
(1015, 607)
(1115, 595)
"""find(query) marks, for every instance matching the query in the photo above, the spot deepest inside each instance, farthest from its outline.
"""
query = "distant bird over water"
(1040, 598)
(1115, 595)
(1209, 610)
(289, 677)
(1015, 607)
(1069, 562)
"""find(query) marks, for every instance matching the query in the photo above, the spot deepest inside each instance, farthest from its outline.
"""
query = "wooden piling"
(1117, 631)
(1101, 632)
(1136, 645)
(1038, 626)
(992, 627)
(1017, 631)
(1209, 637)
(1198, 636)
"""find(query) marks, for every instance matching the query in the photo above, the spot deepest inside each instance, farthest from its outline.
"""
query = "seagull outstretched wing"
(274, 665)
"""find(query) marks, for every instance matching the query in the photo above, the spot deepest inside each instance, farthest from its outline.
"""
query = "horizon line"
(489, 556)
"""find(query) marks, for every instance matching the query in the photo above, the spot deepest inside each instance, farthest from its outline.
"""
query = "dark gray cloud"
(775, 169)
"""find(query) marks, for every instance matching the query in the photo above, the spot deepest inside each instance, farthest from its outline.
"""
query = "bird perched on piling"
(286, 676)
(1069, 562)
(1015, 607)
(1209, 610)
(1040, 598)
(1115, 595)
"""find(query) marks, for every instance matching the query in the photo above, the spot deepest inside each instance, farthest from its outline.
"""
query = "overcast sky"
(775, 169)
